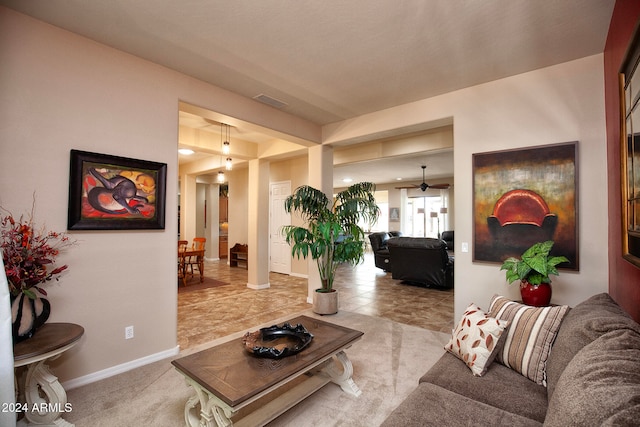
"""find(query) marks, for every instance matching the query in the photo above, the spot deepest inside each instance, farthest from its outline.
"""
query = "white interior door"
(280, 253)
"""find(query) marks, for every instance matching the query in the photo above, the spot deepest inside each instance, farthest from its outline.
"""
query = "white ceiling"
(332, 60)
(397, 170)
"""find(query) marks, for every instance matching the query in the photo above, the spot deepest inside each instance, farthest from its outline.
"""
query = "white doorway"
(279, 251)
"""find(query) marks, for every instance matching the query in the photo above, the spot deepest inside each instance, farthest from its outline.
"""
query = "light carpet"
(387, 363)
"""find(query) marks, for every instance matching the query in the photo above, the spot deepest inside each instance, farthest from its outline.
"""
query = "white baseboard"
(263, 286)
(304, 276)
(118, 369)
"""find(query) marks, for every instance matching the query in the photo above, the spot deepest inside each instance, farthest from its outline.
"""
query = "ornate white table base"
(40, 396)
(204, 409)
(44, 397)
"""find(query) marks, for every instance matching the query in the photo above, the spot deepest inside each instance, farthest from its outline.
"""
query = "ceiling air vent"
(265, 99)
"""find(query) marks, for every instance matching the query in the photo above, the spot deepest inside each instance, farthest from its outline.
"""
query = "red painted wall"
(624, 277)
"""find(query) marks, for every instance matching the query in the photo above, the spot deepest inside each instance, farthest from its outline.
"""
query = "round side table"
(40, 394)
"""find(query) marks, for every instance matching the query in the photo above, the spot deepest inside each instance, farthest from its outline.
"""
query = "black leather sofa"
(421, 261)
(379, 247)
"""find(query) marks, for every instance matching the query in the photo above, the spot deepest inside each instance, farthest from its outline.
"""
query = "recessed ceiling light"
(398, 179)
(185, 151)
(345, 180)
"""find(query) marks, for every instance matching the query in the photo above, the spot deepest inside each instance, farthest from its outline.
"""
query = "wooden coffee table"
(229, 383)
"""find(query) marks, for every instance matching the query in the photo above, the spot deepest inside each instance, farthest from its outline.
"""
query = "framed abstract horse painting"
(115, 193)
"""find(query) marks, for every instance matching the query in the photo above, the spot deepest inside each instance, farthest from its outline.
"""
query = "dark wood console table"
(39, 391)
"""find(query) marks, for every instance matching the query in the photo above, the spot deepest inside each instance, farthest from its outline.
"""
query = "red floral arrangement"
(29, 255)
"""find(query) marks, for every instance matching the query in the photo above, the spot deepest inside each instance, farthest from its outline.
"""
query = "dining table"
(186, 258)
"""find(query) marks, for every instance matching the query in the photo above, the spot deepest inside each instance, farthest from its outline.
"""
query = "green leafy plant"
(332, 234)
(535, 266)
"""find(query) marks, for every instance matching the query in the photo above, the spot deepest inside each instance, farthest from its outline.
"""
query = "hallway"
(208, 314)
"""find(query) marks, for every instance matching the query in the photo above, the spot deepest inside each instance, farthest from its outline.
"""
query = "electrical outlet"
(128, 332)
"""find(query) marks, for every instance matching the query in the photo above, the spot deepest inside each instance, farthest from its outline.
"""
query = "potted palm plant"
(533, 270)
(331, 234)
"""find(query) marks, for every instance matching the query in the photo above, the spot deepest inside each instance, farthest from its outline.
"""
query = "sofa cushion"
(585, 323)
(601, 384)
(475, 339)
(430, 405)
(530, 335)
(500, 387)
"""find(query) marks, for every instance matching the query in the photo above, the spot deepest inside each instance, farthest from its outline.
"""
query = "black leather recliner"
(447, 236)
(379, 247)
(421, 261)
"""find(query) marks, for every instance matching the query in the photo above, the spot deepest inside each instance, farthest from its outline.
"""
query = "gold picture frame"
(630, 151)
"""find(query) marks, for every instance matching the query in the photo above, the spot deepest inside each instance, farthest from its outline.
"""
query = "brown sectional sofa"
(592, 373)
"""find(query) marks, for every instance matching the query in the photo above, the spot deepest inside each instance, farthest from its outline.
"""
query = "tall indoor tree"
(331, 233)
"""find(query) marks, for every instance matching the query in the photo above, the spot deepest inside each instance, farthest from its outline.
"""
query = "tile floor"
(208, 314)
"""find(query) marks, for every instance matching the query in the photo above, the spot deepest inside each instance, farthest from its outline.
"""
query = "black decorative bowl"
(276, 341)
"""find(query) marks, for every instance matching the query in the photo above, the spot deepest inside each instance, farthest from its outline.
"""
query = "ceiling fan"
(424, 185)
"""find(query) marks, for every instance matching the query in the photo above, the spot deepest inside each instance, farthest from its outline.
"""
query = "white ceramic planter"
(325, 302)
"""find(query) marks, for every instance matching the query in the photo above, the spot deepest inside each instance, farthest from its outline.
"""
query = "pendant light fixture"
(220, 177)
(226, 145)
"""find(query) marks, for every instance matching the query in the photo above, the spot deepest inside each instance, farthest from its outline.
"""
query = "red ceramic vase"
(535, 295)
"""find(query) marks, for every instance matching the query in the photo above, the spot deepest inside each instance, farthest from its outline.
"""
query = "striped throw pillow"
(530, 336)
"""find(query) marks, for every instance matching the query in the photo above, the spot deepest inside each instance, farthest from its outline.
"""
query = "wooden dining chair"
(182, 267)
(197, 261)
(198, 243)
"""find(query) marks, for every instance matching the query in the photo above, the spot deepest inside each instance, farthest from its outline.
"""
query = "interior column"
(320, 177)
(187, 207)
(258, 225)
(212, 228)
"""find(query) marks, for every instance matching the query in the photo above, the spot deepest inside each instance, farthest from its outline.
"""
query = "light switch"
(465, 247)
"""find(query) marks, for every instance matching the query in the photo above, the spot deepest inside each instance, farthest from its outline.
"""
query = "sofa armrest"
(601, 384)
(582, 325)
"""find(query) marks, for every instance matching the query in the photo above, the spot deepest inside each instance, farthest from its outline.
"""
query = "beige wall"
(556, 104)
(238, 206)
(60, 91)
